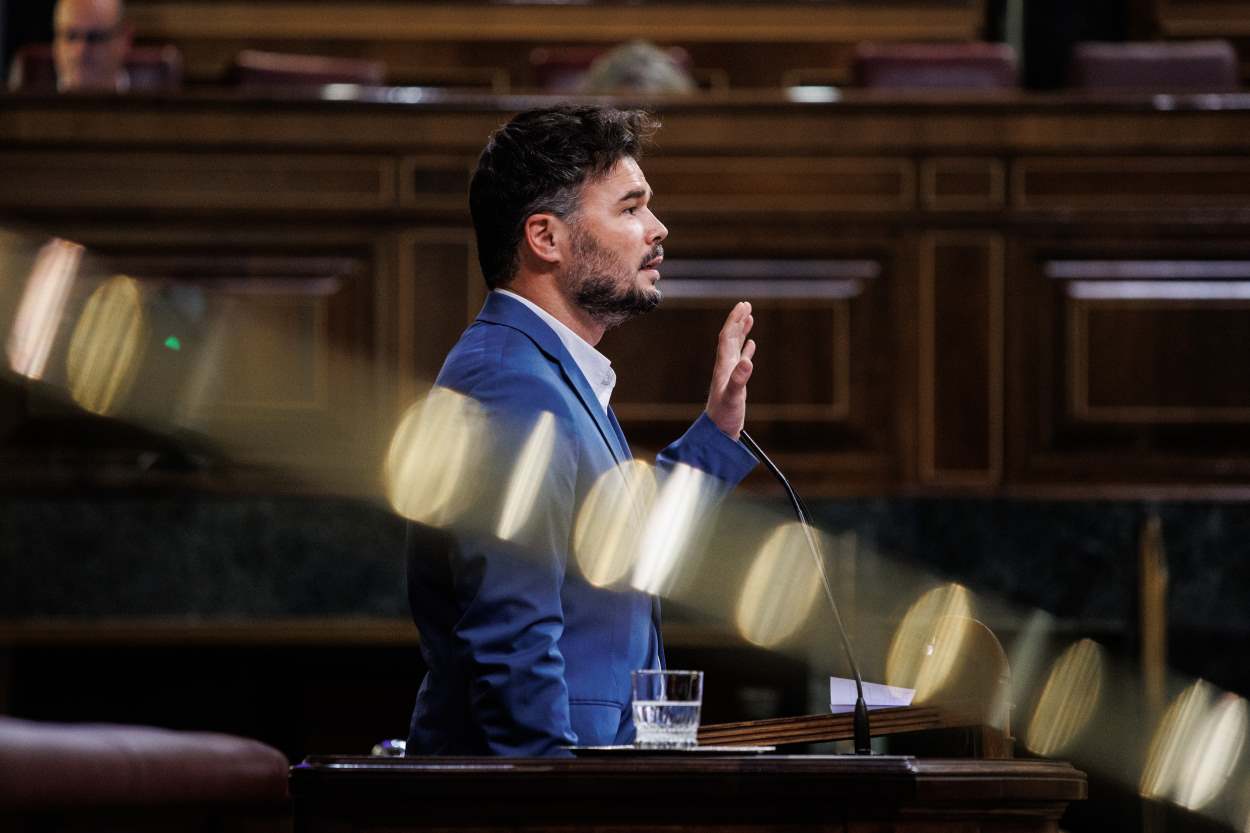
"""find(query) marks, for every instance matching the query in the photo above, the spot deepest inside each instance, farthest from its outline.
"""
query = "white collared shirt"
(596, 367)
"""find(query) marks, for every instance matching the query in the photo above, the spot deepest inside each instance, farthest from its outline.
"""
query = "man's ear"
(543, 238)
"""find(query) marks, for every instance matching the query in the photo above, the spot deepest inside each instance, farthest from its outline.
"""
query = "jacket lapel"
(620, 435)
(500, 309)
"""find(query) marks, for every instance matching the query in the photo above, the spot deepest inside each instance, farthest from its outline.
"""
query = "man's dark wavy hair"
(536, 164)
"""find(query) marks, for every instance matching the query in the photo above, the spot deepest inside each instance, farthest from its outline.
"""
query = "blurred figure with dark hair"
(90, 42)
(637, 67)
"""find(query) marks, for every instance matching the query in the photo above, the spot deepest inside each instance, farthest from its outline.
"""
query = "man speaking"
(525, 656)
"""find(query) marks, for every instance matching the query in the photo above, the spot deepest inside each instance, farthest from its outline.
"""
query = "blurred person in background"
(637, 67)
(90, 42)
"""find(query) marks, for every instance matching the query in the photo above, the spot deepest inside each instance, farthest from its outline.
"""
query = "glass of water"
(666, 708)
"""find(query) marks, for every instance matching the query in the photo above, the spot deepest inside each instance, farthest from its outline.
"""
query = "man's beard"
(604, 286)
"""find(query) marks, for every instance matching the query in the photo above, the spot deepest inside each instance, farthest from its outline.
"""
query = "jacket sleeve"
(509, 571)
(707, 448)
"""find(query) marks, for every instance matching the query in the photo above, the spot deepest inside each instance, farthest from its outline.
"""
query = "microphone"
(863, 736)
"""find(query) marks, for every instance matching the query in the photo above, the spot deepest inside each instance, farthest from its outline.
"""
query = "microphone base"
(863, 735)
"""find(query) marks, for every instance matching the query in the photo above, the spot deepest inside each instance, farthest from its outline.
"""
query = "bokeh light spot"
(528, 477)
(780, 588)
(610, 524)
(1068, 699)
(929, 641)
(1173, 739)
(1214, 753)
(670, 528)
(432, 460)
(106, 346)
(42, 306)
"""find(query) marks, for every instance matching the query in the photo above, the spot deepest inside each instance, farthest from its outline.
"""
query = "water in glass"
(666, 724)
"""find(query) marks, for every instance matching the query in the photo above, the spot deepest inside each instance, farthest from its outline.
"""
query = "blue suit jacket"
(525, 656)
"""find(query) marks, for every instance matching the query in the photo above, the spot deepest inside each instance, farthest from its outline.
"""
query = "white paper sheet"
(876, 695)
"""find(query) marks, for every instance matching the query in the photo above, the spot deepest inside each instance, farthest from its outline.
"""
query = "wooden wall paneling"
(207, 124)
(1127, 182)
(297, 358)
(390, 373)
(961, 286)
(820, 396)
(436, 183)
(963, 183)
(871, 126)
(754, 126)
(186, 181)
(1028, 384)
(1203, 18)
(440, 292)
(1132, 360)
(1132, 352)
(281, 360)
(748, 180)
(811, 383)
(795, 185)
(905, 340)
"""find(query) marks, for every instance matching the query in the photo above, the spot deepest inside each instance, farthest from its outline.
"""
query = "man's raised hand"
(727, 399)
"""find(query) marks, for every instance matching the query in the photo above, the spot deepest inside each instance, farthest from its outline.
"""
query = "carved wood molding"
(793, 184)
(167, 180)
(934, 430)
(1127, 182)
(1129, 288)
(963, 183)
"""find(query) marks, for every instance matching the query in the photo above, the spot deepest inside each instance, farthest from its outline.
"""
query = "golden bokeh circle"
(929, 641)
(610, 523)
(1068, 699)
(106, 346)
(432, 464)
(780, 588)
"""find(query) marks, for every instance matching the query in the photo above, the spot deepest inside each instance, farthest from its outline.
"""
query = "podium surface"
(741, 793)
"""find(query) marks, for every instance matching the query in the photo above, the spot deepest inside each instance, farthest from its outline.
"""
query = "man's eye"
(632, 210)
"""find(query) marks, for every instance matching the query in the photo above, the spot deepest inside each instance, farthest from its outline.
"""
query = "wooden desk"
(749, 793)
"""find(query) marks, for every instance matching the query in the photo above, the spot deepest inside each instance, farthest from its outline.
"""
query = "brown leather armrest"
(67, 765)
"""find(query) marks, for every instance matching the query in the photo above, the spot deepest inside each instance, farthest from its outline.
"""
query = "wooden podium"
(979, 739)
(974, 702)
(698, 793)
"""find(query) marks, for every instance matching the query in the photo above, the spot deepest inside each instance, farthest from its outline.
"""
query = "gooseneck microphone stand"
(863, 745)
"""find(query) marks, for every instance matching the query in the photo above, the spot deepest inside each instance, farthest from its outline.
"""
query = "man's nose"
(658, 230)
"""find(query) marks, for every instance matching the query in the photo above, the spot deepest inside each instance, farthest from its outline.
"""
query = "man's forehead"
(624, 178)
(88, 12)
